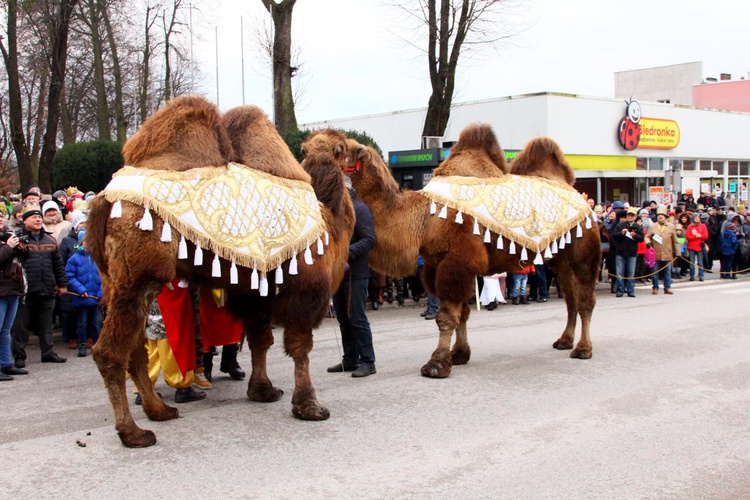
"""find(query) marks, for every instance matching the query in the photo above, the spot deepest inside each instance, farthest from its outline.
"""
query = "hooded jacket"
(83, 278)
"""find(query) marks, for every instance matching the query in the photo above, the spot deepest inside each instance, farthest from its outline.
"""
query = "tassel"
(308, 257)
(146, 223)
(233, 275)
(512, 248)
(279, 278)
(547, 253)
(198, 260)
(443, 212)
(116, 212)
(293, 264)
(487, 237)
(459, 218)
(320, 246)
(554, 246)
(567, 237)
(183, 283)
(524, 254)
(166, 232)
(588, 223)
(182, 248)
(263, 288)
(254, 279)
(538, 259)
(216, 267)
(433, 207)
(476, 227)
(562, 242)
(326, 237)
(499, 241)
(579, 231)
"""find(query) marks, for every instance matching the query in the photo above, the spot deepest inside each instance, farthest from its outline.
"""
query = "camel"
(189, 133)
(406, 226)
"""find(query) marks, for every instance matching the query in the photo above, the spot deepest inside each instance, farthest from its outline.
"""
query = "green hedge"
(86, 165)
(295, 139)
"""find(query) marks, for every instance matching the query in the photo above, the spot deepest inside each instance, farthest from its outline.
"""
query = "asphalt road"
(660, 411)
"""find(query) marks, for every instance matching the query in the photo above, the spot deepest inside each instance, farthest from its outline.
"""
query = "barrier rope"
(613, 275)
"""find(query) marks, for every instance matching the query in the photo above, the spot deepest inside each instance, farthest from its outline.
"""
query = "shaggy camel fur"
(186, 133)
(453, 256)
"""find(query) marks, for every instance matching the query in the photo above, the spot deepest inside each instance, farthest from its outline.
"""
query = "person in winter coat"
(662, 237)
(518, 288)
(627, 235)
(12, 288)
(68, 317)
(730, 238)
(696, 233)
(53, 221)
(85, 285)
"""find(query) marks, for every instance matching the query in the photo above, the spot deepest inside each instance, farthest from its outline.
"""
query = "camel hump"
(543, 157)
(185, 133)
(476, 153)
(257, 144)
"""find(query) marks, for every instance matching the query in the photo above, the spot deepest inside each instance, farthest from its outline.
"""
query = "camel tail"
(543, 157)
(96, 231)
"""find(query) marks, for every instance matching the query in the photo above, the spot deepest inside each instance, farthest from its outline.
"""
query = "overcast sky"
(353, 64)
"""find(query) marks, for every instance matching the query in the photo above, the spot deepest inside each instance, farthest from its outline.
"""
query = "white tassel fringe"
(433, 208)
(320, 246)
(254, 279)
(116, 212)
(487, 237)
(524, 254)
(182, 248)
(146, 223)
(216, 267)
(233, 274)
(198, 259)
(263, 288)
(166, 232)
(512, 248)
(443, 212)
(279, 278)
(476, 227)
(308, 257)
(293, 265)
(538, 259)
(459, 217)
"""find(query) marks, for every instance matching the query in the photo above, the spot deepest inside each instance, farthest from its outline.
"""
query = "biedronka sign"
(636, 131)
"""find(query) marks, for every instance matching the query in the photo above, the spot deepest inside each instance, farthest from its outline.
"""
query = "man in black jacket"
(45, 274)
(350, 299)
(627, 234)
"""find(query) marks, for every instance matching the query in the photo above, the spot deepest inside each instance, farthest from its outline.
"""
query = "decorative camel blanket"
(246, 216)
(530, 211)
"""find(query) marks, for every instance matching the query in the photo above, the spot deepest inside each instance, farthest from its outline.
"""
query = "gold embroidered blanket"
(531, 211)
(246, 216)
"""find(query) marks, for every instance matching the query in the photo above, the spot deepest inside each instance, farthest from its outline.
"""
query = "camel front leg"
(448, 318)
(298, 344)
(260, 339)
(153, 406)
(118, 339)
(461, 352)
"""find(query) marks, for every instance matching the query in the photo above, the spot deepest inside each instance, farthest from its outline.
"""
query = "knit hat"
(704, 216)
(89, 195)
(76, 218)
(618, 204)
(50, 205)
(642, 212)
(632, 210)
(58, 193)
(17, 208)
(30, 210)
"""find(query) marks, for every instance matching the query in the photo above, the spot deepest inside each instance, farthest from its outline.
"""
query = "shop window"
(705, 165)
(688, 164)
(719, 167)
(641, 163)
(744, 168)
(733, 169)
(656, 164)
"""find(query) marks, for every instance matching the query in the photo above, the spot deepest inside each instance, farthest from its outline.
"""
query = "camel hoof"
(581, 353)
(436, 370)
(562, 345)
(263, 393)
(162, 414)
(310, 410)
(461, 356)
(139, 439)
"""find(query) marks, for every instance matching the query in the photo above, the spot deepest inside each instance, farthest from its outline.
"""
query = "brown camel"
(453, 253)
(135, 264)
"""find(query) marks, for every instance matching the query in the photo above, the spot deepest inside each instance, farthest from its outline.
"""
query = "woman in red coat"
(696, 233)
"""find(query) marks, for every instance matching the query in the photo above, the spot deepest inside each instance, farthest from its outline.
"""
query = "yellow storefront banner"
(658, 134)
(601, 162)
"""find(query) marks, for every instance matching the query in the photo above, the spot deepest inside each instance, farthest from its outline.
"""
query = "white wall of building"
(674, 82)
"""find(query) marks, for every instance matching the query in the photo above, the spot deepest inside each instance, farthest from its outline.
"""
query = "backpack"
(743, 247)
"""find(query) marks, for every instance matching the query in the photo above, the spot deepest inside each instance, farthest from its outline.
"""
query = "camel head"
(185, 133)
(476, 153)
(326, 142)
(257, 144)
(369, 173)
(543, 157)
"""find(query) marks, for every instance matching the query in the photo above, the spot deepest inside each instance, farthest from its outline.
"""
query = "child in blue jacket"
(85, 285)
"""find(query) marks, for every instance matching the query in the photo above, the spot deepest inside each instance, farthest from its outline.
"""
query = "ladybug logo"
(629, 132)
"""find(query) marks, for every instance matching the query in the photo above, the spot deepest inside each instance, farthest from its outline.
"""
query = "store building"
(681, 148)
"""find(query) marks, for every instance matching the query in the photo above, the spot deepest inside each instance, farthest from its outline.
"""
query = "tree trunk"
(97, 49)
(121, 124)
(57, 80)
(10, 57)
(35, 130)
(283, 99)
(145, 67)
(68, 134)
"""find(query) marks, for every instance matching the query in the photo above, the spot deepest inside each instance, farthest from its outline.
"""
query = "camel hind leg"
(461, 352)
(580, 299)
(305, 406)
(121, 336)
(153, 406)
(260, 339)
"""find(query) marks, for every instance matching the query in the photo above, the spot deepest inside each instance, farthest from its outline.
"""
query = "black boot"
(229, 362)
(208, 364)
(514, 301)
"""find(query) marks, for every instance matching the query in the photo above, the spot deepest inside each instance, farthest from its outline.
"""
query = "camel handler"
(663, 238)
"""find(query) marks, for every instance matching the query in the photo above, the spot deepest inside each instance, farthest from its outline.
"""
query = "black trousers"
(356, 336)
(34, 314)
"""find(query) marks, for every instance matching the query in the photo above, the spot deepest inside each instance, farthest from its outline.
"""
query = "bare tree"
(453, 26)
(120, 119)
(285, 118)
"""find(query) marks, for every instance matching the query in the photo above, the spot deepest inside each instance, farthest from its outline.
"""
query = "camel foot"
(310, 410)
(435, 369)
(461, 356)
(137, 438)
(563, 345)
(161, 414)
(581, 353)
(263, 393)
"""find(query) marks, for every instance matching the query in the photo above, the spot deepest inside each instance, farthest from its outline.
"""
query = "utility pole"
(216, 32)
(242, 56)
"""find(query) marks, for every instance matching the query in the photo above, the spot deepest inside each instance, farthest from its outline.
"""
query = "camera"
(4, 237)
(23, 238)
